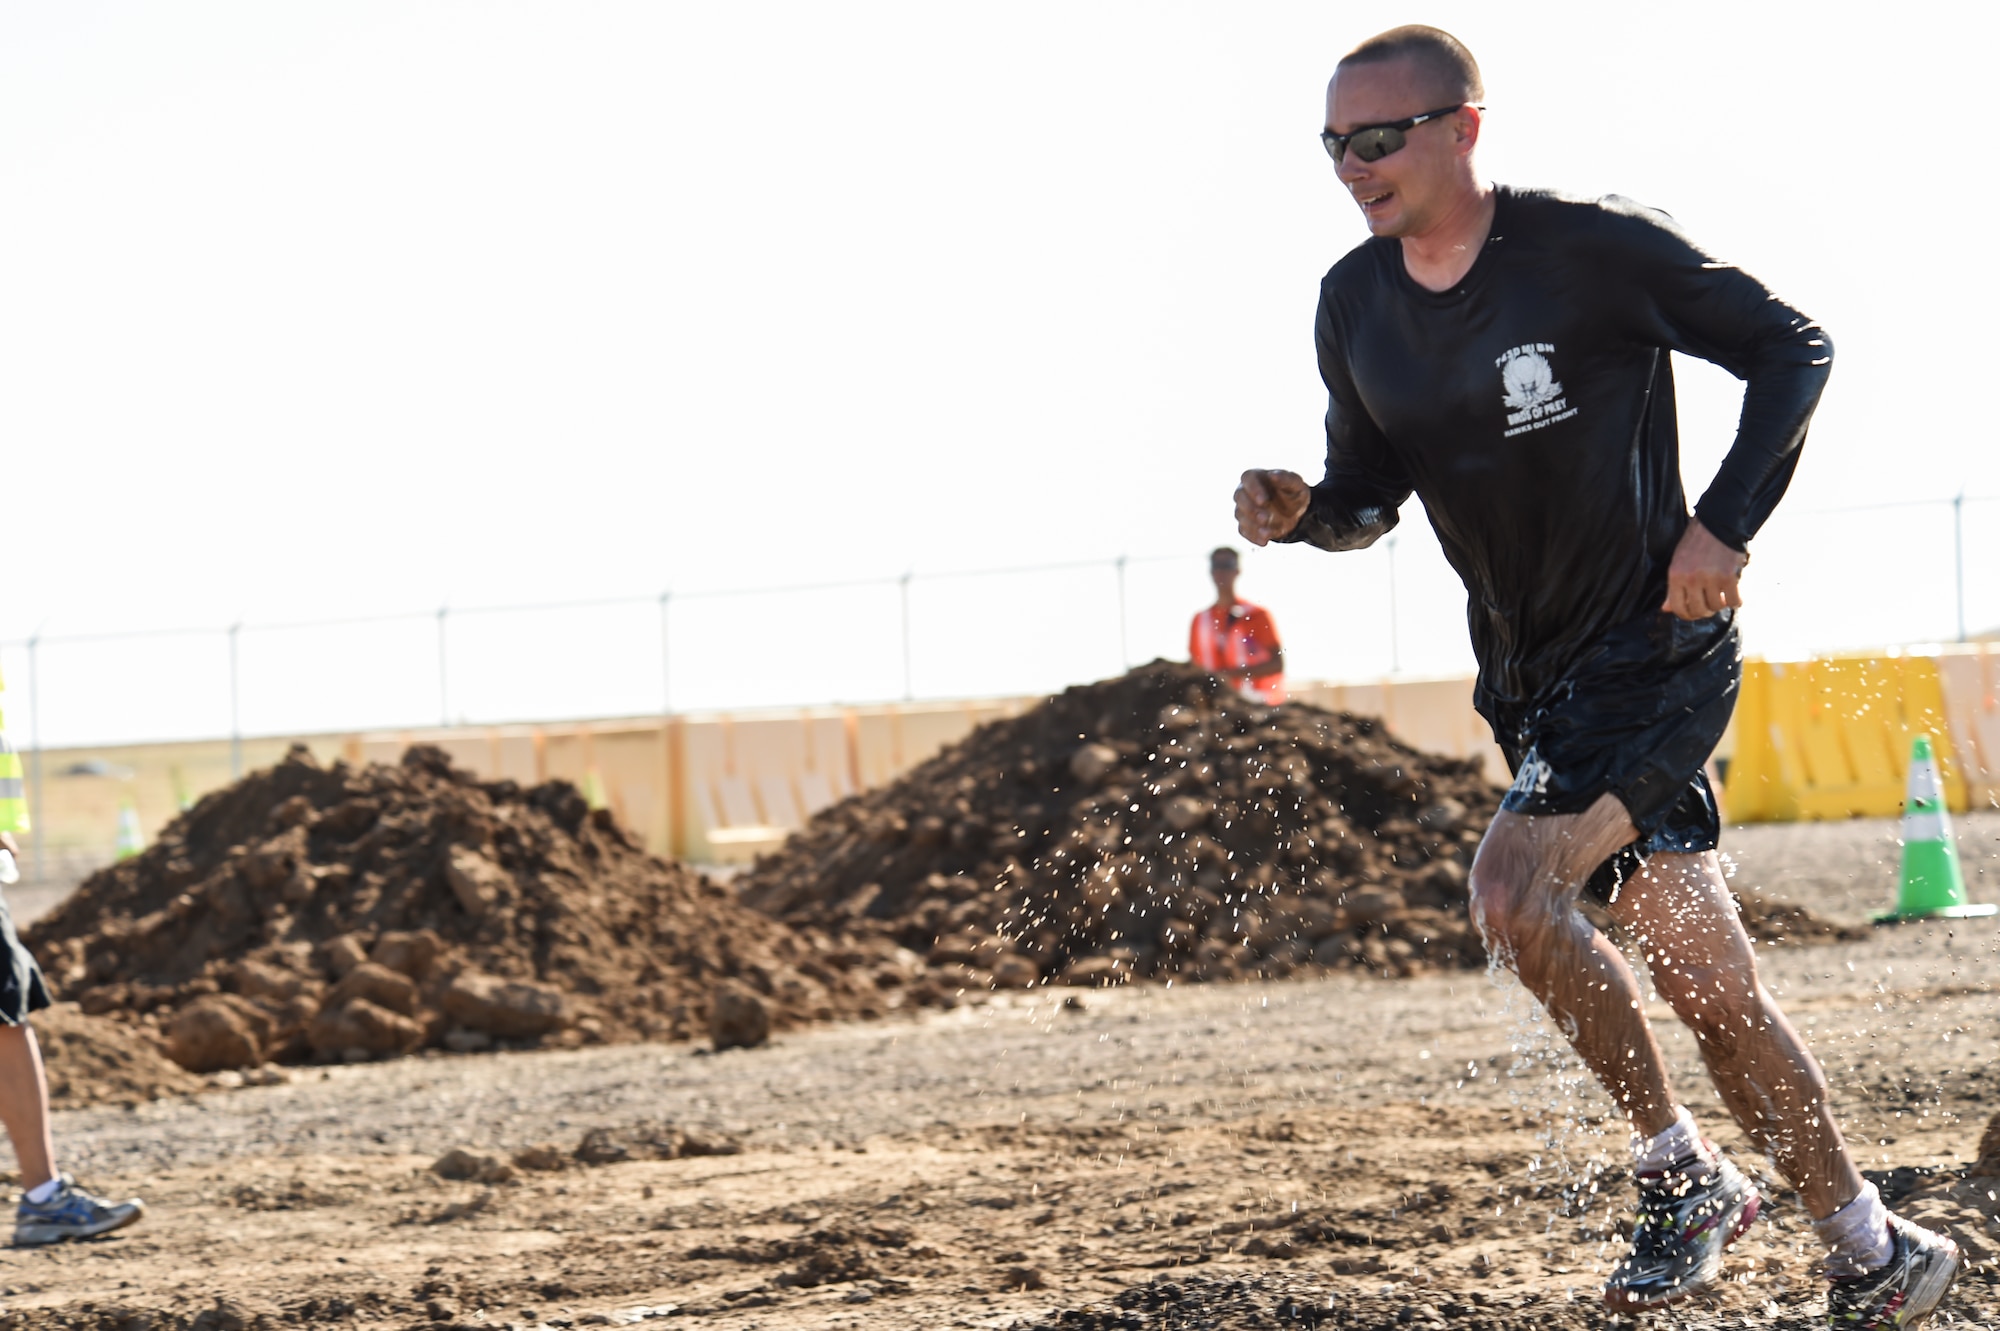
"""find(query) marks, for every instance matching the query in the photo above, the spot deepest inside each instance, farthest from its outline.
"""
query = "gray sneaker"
(1904, 1291)
(71, 1213)
(1687, 1216)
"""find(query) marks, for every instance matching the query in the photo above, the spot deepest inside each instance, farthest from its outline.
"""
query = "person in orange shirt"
(1235, 639)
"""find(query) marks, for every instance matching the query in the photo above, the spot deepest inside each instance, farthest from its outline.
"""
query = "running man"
(1235, 639)
(1503, 354)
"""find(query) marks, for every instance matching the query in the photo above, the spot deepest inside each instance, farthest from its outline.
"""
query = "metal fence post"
(39, 828)
(666, 659)
(1395, 645)
(444, 694)
(235, 708)
(1124, 652)
(1958, 555)
(908, 689)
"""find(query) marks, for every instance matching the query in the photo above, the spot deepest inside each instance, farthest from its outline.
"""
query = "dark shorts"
(1636, 718)
(21, 988)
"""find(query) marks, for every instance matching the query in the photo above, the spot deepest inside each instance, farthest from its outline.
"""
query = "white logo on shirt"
(1533, 778)
(1529, 389)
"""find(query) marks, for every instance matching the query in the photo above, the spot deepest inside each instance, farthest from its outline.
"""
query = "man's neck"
(1439, 259)
(1226, 603)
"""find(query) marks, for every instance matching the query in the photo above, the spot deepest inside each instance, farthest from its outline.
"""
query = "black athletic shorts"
(1637, 717)
(21, 988)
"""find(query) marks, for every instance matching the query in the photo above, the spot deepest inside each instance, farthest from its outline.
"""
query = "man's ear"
(1466, 124)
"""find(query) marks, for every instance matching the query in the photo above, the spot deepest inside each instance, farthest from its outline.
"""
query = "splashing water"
(1566, 1110)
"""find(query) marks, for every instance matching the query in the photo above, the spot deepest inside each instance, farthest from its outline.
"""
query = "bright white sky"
(324, 309)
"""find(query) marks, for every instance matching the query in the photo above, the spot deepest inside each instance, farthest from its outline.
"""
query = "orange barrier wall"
(707, 787)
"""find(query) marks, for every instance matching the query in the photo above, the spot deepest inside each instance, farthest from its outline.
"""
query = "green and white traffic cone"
(1932, 886)
(131, 838)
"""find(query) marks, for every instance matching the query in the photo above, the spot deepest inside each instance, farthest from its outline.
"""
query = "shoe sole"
(1753, 1206)
(40, 1236)
(1928, 1293)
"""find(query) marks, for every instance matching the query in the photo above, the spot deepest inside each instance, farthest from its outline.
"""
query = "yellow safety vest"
(13, 786)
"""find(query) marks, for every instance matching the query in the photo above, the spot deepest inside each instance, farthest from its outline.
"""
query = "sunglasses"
(1371, 143)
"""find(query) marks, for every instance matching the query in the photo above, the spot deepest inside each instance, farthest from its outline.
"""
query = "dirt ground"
(1338, 1152)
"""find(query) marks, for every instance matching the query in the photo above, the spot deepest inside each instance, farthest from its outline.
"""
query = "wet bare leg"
(24, 1104)
(1678, 908)
(1526, 880)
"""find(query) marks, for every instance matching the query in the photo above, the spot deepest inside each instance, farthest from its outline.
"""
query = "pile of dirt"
(1160, 825)
(94, 1061)
(1156, 824)
(350, 913)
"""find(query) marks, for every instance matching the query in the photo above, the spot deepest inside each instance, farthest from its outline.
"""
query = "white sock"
(1856, 1236)
(1656, 1155)
(43, 1191)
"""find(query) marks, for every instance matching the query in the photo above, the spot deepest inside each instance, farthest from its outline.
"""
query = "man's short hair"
(1224, 553)
(1441, 57)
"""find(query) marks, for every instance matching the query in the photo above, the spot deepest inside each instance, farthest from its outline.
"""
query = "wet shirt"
(1531, 409)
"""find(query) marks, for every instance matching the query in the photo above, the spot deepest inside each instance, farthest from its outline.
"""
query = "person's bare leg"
(1526, 880)
(1679, 909)
(24, 1104)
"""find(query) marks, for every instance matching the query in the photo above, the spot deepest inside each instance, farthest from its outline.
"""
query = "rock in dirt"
(254, 979)
(217, 1031)
(231, 1313)
(410, 954)
(1375, 905)
(464, 1165)
(478, 882)
(93, 1060)
(542, 1157)
(705, 1143)
(1014, 971)
(344, 953)
(379, 985)
(1158, 825)
(342, 912)
(1097, 971)
(480, 1002)
(358, 1029)
(616, 1145)
(610, 1146)
(738, 1017)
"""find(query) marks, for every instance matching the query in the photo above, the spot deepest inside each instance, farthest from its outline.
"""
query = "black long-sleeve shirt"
(1531, 408)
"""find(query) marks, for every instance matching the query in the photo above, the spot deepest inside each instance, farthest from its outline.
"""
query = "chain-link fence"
(1818, 582)
(917, 634)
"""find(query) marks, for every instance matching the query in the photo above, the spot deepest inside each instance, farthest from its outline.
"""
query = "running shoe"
(1905, 1290)
(1687, 1216)
(71, 1213)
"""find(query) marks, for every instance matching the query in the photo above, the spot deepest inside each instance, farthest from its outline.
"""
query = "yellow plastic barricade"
(1824, 738)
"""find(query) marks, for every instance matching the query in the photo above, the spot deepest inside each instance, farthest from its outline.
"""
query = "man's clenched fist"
(1703, 576)
(1269, 504)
